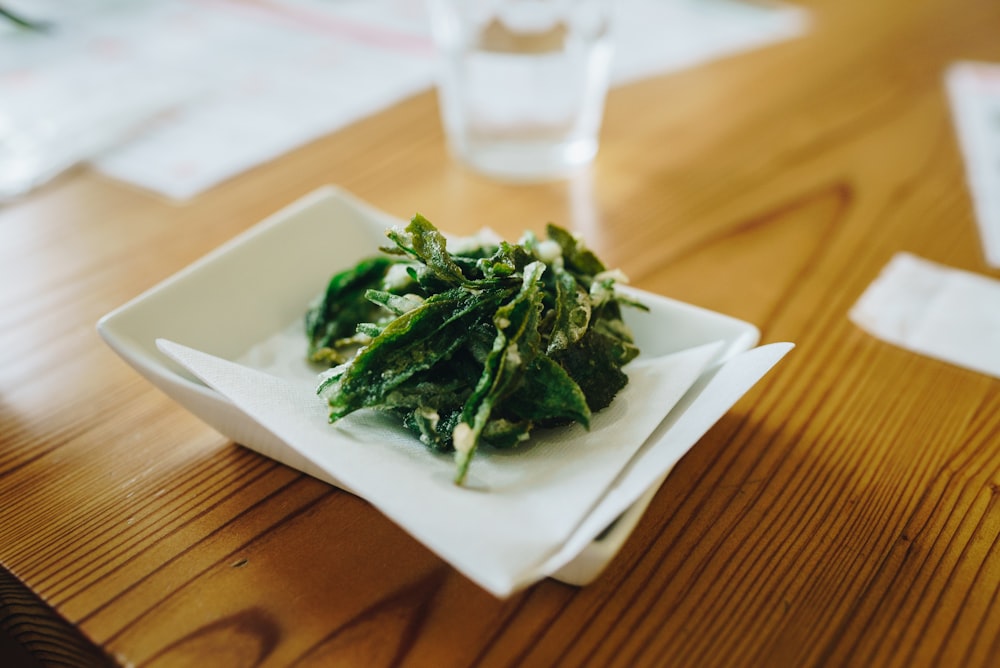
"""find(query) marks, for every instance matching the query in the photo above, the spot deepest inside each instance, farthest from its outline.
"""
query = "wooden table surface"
(845, 511)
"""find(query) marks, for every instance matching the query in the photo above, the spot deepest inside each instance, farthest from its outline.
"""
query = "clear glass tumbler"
(522, 82)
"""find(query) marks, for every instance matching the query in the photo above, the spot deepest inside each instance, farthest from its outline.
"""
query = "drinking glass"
(522, 82)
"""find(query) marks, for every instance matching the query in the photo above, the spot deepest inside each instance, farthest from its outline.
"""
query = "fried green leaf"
(576, 257)
(336, 315)
(431, 332)
(422, 241)
(515, 346)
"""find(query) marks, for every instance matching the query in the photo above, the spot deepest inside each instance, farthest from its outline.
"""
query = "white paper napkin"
(657, 36)
(974, 93)
(945, 313)
(522, 513)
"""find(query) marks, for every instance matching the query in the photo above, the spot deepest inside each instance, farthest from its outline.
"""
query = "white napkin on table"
(513, 522)
(945, 313)
(974, 93)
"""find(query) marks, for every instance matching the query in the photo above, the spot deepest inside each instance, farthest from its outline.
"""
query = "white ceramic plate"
(253, 287)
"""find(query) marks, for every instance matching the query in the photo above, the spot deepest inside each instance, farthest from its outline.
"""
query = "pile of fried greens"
(476, 345)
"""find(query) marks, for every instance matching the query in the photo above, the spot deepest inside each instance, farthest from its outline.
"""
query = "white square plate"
(256, 285)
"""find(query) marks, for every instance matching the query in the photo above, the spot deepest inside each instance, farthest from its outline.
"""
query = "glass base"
(526, 162)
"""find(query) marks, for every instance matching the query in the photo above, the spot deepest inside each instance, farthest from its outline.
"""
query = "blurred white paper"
(271, 75)
(945, 313)
(657, 36)
(974, 93)
(520, 509)
(36, 147)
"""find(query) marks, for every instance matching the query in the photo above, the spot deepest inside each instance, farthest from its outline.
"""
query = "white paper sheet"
(241, 82)
(934, 310)
(658, 36)
(974, 92)
(518, 518)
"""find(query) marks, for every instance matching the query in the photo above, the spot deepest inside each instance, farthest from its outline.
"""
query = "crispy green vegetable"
(472, 346)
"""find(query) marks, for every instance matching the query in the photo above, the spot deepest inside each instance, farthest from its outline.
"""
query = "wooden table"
(846, 511)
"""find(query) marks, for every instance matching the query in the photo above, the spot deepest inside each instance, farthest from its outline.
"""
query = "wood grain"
(845, 512)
